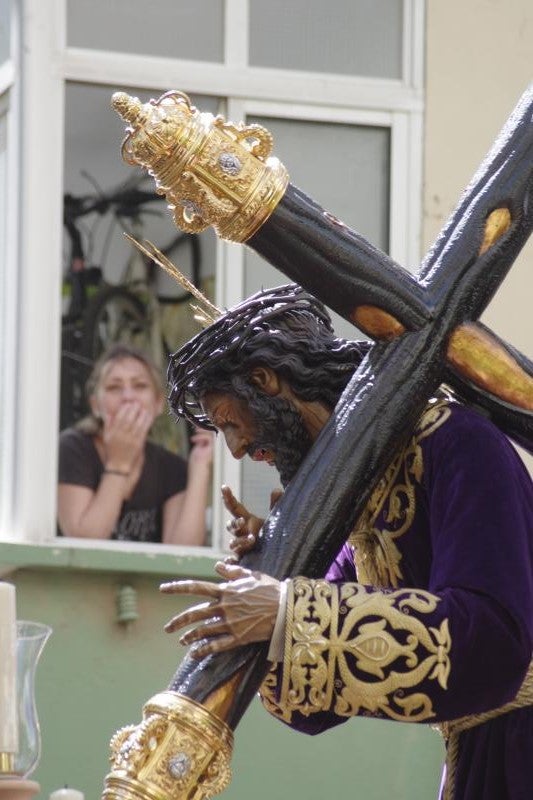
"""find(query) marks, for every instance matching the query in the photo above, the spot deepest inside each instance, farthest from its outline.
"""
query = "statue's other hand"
(241, 610)
(244, 526)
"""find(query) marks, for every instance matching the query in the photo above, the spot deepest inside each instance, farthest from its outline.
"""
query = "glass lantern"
(31, 639)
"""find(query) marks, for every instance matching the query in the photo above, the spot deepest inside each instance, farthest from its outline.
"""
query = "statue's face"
(234, 419)
(265, 428)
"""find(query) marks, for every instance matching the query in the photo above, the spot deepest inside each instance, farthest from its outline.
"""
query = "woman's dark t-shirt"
(164, 474)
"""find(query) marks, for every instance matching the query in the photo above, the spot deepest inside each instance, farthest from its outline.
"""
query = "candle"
(67, 794)
(8, 669)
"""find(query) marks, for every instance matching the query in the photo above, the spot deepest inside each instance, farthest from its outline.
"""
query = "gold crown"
(211, 171)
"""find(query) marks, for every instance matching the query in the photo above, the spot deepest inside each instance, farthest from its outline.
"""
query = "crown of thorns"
(261, 314)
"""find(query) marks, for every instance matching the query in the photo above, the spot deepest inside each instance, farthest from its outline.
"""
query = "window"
(350, 173)
(340, 92)
(95, 176)
(360, 38)
(191, 28)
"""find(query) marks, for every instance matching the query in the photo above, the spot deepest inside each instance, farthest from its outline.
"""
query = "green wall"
(95, 675)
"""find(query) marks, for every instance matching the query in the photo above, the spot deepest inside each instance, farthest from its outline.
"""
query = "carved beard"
(281, 430)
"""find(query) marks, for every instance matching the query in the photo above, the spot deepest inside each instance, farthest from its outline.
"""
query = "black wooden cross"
(427, 333)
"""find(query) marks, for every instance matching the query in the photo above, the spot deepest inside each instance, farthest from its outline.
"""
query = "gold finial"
(128, 107)
(212, 171)
(207, 312)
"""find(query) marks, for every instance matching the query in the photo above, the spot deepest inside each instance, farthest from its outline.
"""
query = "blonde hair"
(92, 424)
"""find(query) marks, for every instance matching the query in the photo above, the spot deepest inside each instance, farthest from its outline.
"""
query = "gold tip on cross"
(126, 106)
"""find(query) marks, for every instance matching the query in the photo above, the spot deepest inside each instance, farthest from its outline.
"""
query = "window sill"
(110, 557)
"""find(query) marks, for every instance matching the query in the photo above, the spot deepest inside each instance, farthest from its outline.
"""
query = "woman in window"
(113, 482)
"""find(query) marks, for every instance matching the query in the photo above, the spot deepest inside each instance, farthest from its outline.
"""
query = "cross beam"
(455, 282)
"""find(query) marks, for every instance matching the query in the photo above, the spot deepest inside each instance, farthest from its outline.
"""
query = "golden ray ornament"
(206, 313)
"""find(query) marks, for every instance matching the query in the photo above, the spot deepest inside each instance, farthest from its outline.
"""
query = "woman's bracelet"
(117, 472)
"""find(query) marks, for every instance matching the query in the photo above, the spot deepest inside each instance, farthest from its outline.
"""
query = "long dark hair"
(286, 329)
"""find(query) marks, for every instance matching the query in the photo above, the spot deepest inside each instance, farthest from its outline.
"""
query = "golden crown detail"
(212, 172)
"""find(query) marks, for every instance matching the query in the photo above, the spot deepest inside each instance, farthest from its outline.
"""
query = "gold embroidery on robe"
(377, 558)
(356, 652)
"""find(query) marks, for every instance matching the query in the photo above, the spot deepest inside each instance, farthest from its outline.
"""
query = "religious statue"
(426, 334)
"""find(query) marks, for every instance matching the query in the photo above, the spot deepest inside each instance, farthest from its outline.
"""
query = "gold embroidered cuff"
(212, 171)
(356, 652)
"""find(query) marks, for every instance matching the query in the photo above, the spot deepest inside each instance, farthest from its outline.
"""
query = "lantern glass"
(31, 639)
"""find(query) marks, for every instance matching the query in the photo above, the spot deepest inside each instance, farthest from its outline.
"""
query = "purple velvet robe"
(471, 545)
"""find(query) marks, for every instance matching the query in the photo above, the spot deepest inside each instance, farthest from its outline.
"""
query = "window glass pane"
(149, 309)
(345, 168)
(360, 37)
(185, 29)
(5, 25)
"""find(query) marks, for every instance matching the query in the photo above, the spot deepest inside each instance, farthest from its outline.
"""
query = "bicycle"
(100, 313)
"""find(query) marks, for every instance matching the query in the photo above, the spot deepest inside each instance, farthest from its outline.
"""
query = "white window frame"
(8, 100)
(32, 358)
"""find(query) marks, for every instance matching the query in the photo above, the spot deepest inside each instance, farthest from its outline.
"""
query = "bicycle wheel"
(114, 315)
(75, 370)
